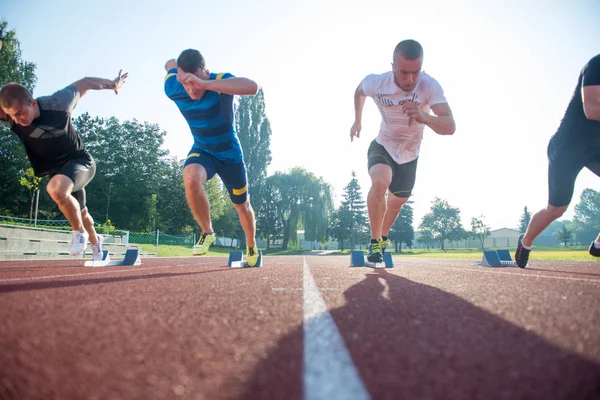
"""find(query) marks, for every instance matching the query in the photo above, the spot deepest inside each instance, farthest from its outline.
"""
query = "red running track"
(192, 328)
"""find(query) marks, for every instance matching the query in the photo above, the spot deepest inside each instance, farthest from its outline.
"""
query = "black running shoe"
(522, 254)
(375, 255)
(594, 251)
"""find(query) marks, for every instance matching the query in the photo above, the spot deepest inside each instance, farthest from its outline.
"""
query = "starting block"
(236, 260)
(505, 258)
(499, 258)
(132, 257)
(357, 259)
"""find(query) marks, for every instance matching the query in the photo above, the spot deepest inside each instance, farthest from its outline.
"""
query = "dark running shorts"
(81, 171)
(234, 176)
(403, 175)
(566, 160)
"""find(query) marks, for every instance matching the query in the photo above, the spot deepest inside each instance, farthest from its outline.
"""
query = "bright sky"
(508, 69)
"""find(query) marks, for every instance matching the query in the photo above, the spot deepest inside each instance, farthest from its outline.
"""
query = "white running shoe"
(97, 249)
(78, 242)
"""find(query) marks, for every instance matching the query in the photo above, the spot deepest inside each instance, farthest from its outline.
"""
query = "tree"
(268, 224)
(173, 215)
(13, 160)
(564, 235)
(129, 160)
(524, 221)
(254, 131)
(350, 220)
(426, 238)
(587, 216)
(317, 211)
(443, 222)
(356, 210)
(12, 67)
(302, 201)
(339, 226)
(458, 235)
(31, 182)
(228, 224)
(479, 230)
(218, 197)
(402, 231)
(153, 212)
(551, 229)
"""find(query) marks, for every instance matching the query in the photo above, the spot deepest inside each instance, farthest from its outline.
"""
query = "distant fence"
(155, 238)
(158, 237)
(489, 242)
(56, 224)
(492, 242)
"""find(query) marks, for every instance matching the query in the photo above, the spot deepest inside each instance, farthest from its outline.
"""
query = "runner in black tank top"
(574, 146)
(54, 149)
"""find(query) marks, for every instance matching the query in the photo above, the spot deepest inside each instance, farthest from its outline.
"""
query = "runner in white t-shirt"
(404, 97)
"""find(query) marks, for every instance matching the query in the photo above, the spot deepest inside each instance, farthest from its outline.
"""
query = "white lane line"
(329, 372)
(283, 289)
(111, 271)
(483, 271)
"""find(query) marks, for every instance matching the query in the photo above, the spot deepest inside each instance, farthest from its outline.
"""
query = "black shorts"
(80, 170)
(403, 175)
(233, 175)
(566, 160)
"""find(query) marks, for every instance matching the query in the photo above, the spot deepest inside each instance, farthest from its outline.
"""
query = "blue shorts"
(234, 176)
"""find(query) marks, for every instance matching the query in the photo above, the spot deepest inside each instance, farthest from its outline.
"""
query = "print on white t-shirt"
(401, 138)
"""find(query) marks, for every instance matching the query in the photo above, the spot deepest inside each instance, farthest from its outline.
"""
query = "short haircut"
(409, 50)
(13, 94)
(190, 60)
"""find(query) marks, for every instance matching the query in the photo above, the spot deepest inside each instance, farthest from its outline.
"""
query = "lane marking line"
(567, 278)
(329, 372)
(111, 271)
(294, 289)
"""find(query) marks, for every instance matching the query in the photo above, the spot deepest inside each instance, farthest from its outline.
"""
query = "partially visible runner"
(55, 149)
(575, 145)
(404, 97)
(206, 101)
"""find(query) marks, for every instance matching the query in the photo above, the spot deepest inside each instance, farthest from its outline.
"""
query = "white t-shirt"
(399, 139)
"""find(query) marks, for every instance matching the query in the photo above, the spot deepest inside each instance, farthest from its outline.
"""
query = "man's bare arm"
(233, 86)
(591, 101)
(85, 84)
(238, 86)
(359, 104)
(169, 65)
(443, 121)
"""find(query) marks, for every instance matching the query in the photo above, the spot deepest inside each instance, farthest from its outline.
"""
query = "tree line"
(139, 185)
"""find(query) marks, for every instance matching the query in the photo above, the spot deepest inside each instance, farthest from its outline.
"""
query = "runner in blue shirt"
(205, 100)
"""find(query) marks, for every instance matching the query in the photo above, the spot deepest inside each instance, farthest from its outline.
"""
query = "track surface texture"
(299, 328)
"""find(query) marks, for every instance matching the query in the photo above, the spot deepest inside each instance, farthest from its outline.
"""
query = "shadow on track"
(5, 288)
(414, 341)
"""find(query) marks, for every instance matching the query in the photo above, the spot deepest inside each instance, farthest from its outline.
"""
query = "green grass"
(578, 253)
(165, 250)
(575, 253)
(433, 253)
(183, 251)
(279, 252)
(563, 255)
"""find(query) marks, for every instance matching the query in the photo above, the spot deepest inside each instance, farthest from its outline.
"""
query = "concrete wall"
(17, 242)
